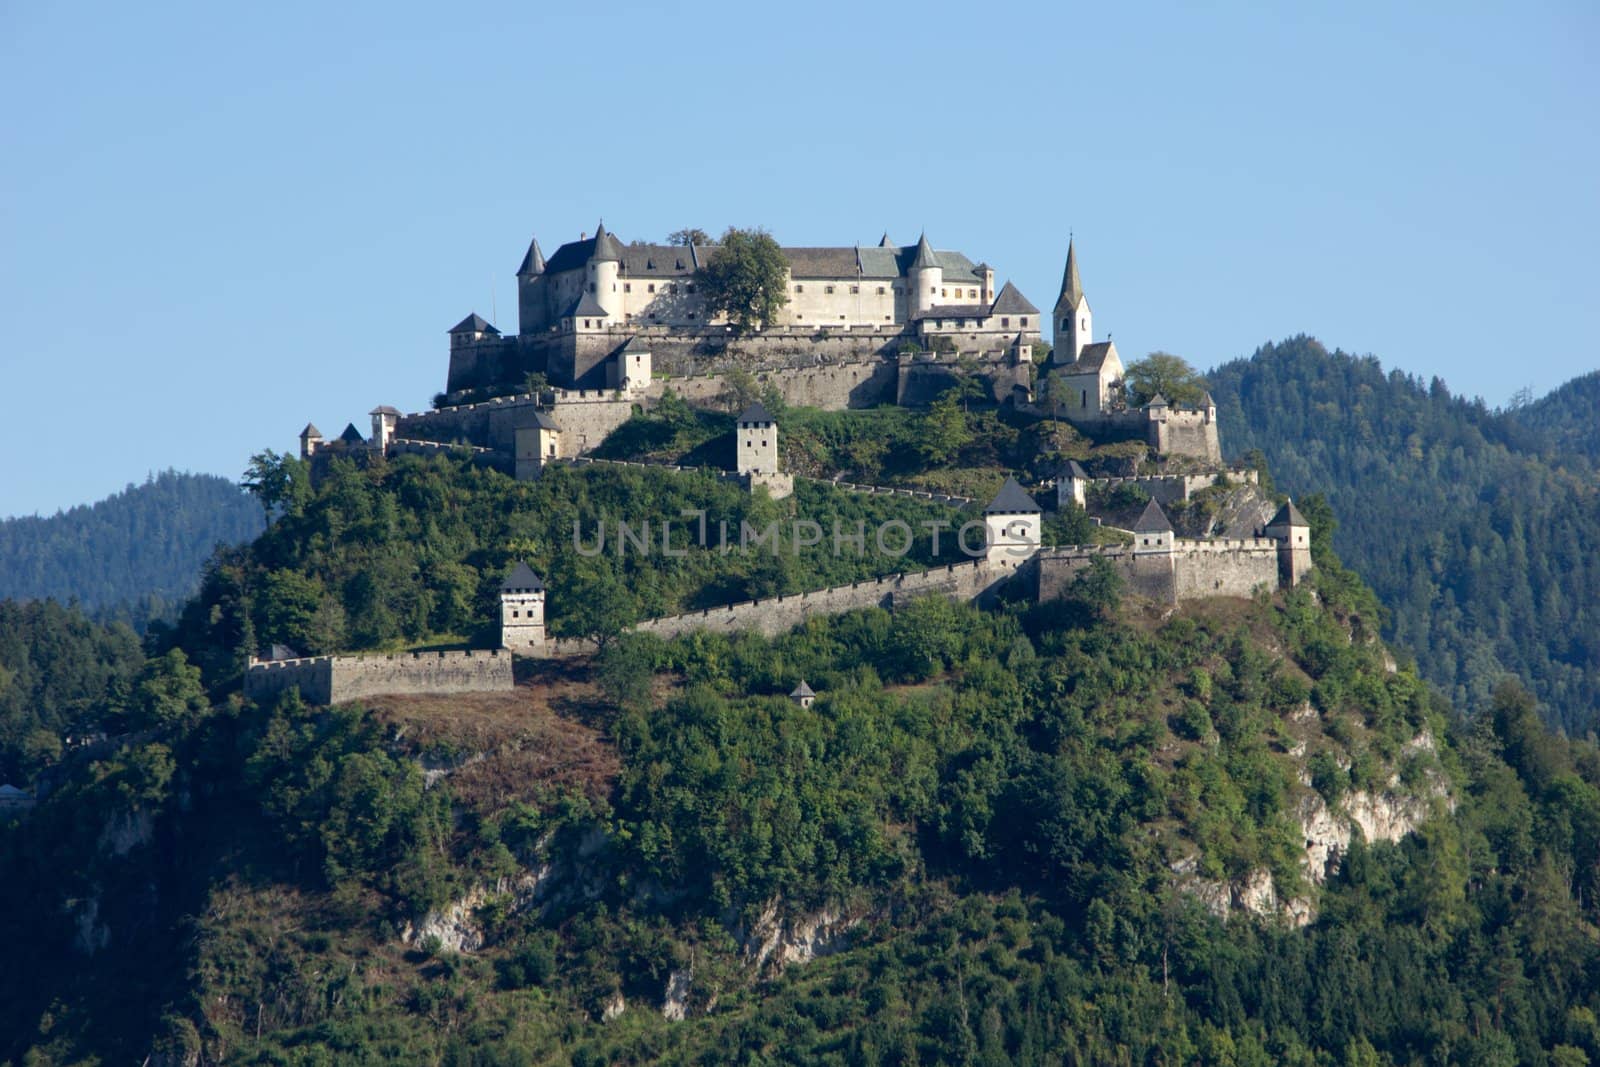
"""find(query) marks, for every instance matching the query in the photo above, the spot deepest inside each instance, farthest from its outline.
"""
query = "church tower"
(1074, 323)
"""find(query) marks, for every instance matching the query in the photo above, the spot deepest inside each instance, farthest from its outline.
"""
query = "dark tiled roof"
(545, 422)
(352, 436)
(661, 261)
(1012, 499)
(925, 255)
(570, 256)
(1288, 515)
(473, 323)
(756, 412)
(1158, 401)
(802, 690)
(384, 409)
(1206, 401)
(585, 306)
(1091, 360)
(1012, 302)
(1154, 520)
(310, 431)
(533, 262)
(886, 243)
(522, 580)
(1071, 287)
(1072, 470)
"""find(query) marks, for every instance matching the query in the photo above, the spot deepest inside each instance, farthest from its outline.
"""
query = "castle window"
(799, 288)
(1024, 320)
(691, 314)
(1004, 322)
(943, 292)
(1085, 401)
(652, 287)
(881, 290)
(691, 287)
(627, 287)
(828, 289)
(516, 614)
(1066, 324)
(855, 288)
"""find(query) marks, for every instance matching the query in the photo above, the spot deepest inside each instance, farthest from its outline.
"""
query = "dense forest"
(1479, 529)
(1018, 835)
(133, 556)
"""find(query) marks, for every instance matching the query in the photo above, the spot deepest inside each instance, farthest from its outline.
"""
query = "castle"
(611, 327)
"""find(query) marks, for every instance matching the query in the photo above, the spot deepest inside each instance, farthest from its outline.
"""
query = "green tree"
(280, 481)
(689, 235)
(167, 693)
(1167, 374)
(746, 279)
(942, 433)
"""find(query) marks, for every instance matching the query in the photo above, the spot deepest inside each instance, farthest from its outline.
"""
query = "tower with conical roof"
(926, 276)
(605, 263)
(1074, 323)
(533, 312)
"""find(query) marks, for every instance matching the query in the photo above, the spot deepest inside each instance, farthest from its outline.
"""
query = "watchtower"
(310, 441)
(1153, 532)
(537, 444)
(1012, 523)
(757, 447)
(1293, 533)
(522, 611)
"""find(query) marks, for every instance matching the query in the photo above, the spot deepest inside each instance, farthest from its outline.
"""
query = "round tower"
(605, 265)
(926, 276)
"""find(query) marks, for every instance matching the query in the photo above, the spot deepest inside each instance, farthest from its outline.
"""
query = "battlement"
(336, 679)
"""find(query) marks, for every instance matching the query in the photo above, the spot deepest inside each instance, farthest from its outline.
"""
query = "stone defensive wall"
(884, 490)
(973, 580)
(1171, 488)
(336, 679)
(1192, 570)
(586, 417)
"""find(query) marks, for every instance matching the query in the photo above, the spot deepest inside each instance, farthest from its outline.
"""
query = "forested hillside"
(1086, 831)
(135, 555)
(1568, 419)
(1479, 535)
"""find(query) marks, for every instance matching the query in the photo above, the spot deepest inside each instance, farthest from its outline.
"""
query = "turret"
(926, 276)
(310, 441)
(532, 306)
(1153, 532)
(538, 444)
(522, 611)
(1293, 533)
(1012, 524)
(1073, 325)
(803, 695)
(384, 418)
(605, 263)
(471, 330)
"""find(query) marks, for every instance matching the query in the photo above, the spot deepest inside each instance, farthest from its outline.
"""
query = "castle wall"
(1195, 569)
(336, 679)
(1186, 433)
(963, 581)
(1168, 489)
(585, 416)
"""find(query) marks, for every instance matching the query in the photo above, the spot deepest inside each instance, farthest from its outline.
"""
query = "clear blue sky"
(220, 221)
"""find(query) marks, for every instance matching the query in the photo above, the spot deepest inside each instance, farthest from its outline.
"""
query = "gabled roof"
(543, 420)
(522, 580)
(1158, 401)
(473, 323)
(1288, 515)
(1012, 499)
(802, 690)
(310, 431)
(352, 436)
(885, 243)
(1154, 520)
(278, 652)
(925, 255)
(533, 262)
(756, 412)
(9, 790)
(1071, 286)
(1012, 302)
(586, 306)
(384, 409)
(1071, 470)
(1091, 359)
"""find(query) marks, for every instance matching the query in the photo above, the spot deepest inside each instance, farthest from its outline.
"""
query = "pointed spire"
(886, 243)
(925, 255)
(533, 262)
(1071, 284)
(1154, 520)
(606, 247)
